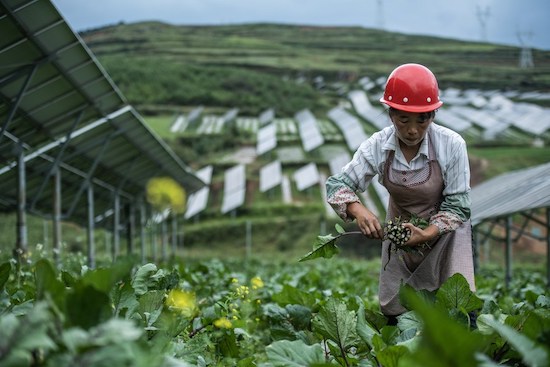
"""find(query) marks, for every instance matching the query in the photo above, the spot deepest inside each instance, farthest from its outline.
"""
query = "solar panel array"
(198, 201)
(309, 130)
(337, 163)
(234, 188)
(511, 192)
(266, 139)
(306, 176)
(271, 175)
(182, 122)
(63, 112)
(364, 108)
(350, 126)
(266, 116)
(248, 124)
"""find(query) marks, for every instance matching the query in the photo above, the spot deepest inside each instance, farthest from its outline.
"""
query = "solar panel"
(309, 130)
(306, 176)
(511, 192)
(337, 163)
(267, 116)
(234, 188)
(198, 200)
(350, 127)
(230, 115)
(451, 120)
(248, 124)
(180, 124)
(487, 121)
(195, 114)
(211, 125)
(266, 139)
(271, 175)
(364, 108)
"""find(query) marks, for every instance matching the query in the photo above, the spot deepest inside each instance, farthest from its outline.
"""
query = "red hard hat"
(412, 88)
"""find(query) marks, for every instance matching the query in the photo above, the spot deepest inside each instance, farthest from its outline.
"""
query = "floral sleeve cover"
(340, 193)
(446, 222)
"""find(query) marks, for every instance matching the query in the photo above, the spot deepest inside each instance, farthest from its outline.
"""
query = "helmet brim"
(416, 109)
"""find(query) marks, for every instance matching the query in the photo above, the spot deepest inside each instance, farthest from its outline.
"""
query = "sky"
(509, 22)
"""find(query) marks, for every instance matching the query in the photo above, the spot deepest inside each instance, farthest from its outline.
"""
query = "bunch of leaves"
(398, 235)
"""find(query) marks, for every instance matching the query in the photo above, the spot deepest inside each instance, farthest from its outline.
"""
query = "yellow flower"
(223, 323)
(242, 291)
(164, 193)
(182, 301)
(257, 283)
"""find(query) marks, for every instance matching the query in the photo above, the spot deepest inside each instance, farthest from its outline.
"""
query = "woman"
(425, 168)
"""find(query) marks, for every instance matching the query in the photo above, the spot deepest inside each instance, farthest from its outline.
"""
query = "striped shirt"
(370, 157)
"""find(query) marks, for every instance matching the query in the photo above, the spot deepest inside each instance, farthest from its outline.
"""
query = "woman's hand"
(367, 222)
(420, 236)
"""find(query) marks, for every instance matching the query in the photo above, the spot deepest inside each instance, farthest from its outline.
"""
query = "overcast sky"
(504, 19)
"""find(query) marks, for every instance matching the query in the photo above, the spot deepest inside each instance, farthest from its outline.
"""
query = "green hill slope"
(257, 66)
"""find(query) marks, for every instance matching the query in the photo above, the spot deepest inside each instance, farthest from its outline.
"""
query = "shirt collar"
(391, 143)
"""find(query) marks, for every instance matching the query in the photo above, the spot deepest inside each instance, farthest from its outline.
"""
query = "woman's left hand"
(419, 235)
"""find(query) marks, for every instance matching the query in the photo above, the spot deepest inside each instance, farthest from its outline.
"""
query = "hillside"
(259, 66)
(167, 71)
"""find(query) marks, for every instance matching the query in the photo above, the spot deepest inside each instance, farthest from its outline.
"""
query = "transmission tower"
(482, 16)
(525, 56)
(380, 14)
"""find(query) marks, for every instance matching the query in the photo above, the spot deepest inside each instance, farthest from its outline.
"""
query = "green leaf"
(443, 339)
(5, 270)
(20, 337)
(47, 282)
(533, 354)
(455, 293)
(389, 357)
(339, 228)
(151, 305)
(336, 323)
(87, 306)
(292, 295)
(364, 330)
(285, 353)
(325, 246)
(124, 299)
(103, 279)
(227, 346)
(142, 278)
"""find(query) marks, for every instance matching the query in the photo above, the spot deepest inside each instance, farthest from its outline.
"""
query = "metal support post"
(57, 217)
(91, 226)
(21, 245)
(508, 254)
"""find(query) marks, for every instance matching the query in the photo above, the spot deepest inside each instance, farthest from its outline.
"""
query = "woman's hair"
(423, 115)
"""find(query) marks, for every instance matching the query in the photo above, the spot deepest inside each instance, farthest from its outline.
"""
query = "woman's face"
(411, 127)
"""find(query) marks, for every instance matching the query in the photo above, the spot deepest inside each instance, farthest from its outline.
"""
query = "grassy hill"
(258, 66)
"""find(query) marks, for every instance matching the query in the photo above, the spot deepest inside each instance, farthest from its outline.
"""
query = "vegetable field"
(262, 313)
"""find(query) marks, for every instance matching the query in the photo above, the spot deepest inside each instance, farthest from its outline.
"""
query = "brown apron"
(421, 192)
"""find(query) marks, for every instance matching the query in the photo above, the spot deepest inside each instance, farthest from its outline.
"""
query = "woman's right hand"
(367, 222)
